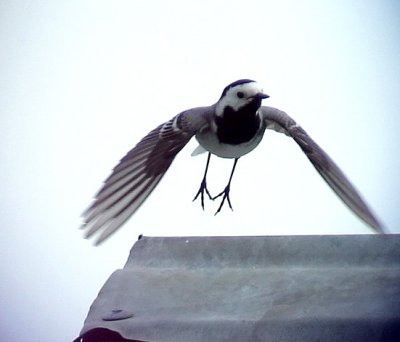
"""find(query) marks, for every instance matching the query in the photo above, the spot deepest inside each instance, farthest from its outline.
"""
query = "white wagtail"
(230, 128)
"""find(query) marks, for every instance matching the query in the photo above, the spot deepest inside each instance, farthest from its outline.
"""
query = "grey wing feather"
(139, 172)
(279, 121)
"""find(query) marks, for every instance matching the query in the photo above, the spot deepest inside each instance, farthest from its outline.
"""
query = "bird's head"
(239, 94)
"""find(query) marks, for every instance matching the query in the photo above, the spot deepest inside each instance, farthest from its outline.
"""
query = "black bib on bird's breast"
(238, 127)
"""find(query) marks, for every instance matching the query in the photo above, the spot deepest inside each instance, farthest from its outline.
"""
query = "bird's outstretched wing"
(139, 172)
(279, 121)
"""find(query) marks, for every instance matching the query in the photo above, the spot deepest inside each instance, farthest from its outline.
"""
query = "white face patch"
(238, 96)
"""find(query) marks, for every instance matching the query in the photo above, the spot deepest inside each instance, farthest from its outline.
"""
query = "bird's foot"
(225, 195)
(203, 188)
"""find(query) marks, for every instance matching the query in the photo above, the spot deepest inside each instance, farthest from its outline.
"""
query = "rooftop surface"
(274, 288)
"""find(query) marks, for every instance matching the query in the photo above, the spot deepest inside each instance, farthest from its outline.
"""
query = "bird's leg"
(203, 185)
(225, 192)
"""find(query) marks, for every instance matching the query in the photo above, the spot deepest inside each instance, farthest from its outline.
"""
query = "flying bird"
(230, 128)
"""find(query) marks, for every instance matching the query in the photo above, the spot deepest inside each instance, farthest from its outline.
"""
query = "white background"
(82, 81)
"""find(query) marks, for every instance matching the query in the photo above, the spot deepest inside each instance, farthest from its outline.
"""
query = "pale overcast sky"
(83, 81)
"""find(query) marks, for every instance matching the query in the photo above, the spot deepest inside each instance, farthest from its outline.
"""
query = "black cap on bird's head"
(234, 84)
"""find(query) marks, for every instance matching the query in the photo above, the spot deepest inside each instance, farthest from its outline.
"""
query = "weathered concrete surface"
(288, 288)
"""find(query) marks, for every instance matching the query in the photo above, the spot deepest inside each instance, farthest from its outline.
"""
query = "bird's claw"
(203, 188)
(225, 195)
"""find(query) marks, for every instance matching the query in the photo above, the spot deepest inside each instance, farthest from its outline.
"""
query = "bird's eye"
(240, 94)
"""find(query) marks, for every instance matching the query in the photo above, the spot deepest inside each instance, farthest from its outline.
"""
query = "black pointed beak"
(262, 96)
